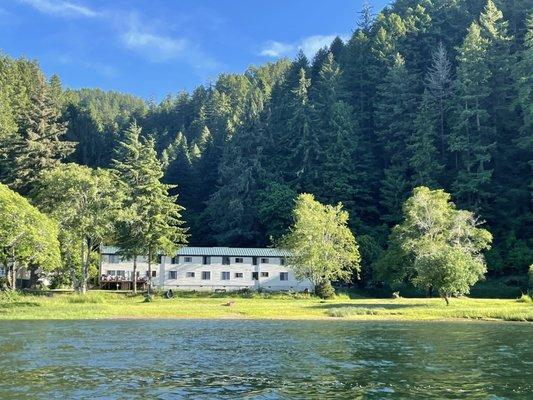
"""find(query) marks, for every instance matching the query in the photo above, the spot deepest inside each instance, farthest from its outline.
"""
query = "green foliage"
(525, 298)
(444, 244)
(150, 220)
(85, 202)
(27, 237)
(38, 146)
(433, 93)
(325, 290)
(321, 246)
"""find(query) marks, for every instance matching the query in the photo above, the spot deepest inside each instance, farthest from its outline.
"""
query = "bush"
(524, 299)
(148, 298)
(324, 290)
(4, 284)
(10, 296)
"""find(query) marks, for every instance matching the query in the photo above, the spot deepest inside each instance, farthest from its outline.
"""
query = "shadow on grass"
(387, 306)
(19, 304)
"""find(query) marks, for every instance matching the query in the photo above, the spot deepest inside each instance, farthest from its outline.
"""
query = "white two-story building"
(206, 269)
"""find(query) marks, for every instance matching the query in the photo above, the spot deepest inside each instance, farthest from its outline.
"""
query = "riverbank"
(109, 305)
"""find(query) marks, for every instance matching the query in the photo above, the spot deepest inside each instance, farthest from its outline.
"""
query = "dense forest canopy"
(427, 92)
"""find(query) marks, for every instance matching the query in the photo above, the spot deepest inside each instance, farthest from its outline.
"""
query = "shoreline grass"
(111, 305)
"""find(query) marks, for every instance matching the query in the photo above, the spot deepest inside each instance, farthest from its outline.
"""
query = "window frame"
(190, 274)
(265, 260)
(264, 274)
(206, 275)
(225, 275)
(283, 274)
(239, 258)
(239, 275)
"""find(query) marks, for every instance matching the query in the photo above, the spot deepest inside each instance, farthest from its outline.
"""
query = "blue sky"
(154, 47)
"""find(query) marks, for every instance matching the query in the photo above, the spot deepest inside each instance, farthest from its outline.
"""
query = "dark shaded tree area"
(427, 92)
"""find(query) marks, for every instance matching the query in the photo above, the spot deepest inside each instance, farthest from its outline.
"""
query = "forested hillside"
(428, 92)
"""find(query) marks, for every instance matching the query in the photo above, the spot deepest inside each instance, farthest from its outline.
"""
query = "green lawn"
(98, 305)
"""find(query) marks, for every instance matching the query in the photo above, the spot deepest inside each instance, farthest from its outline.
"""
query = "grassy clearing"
(100, 305)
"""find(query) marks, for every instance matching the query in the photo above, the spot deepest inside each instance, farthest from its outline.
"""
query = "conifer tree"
(39, 147)
(499, 60)
(470, 135)
(303, 142)
(151, 222)
(438, 92)
(424, 156)
(232, 210)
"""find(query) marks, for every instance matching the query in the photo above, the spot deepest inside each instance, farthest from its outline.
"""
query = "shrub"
(10, 296)
(324, 290)
(148, 298)
(525, 299)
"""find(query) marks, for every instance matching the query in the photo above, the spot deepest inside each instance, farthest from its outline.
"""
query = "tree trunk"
(150, 272)
(134, 277)
(81, 288)
(13, 276)
(33, 276)
(85, 253)
(447, 299)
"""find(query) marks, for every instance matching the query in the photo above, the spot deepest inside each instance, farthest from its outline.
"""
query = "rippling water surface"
(172, 359)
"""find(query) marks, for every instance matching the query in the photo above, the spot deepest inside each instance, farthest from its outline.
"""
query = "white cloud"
(309, 46)
(61, 8)
(276, 49)
(155, 47)
(159, 48)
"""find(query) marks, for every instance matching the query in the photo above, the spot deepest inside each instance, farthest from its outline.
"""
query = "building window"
(111, 272)
(206, 275)
(239, 260)
(225, 260)
(238, 275)
(265, 261)
(189, 274)
(255, 276)
(206, 260)
(159, 258)
(188, 259)
(121, 273)
(283, 276)
(173, 274)
(254, 261)
(281, 261)
(175, 260)
(154, 274)
(224, 275)
(114, 259)
(264, 274)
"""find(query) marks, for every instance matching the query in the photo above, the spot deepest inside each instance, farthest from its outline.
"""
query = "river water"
(226, 359)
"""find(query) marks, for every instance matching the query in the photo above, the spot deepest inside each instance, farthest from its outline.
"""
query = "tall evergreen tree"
(438, 85)
(232, 210)
(39, 147)
(151, 223)
(469, 139)
(395, 112)
(423, 154)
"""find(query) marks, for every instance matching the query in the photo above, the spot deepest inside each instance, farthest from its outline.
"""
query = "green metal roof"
(219, 251)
